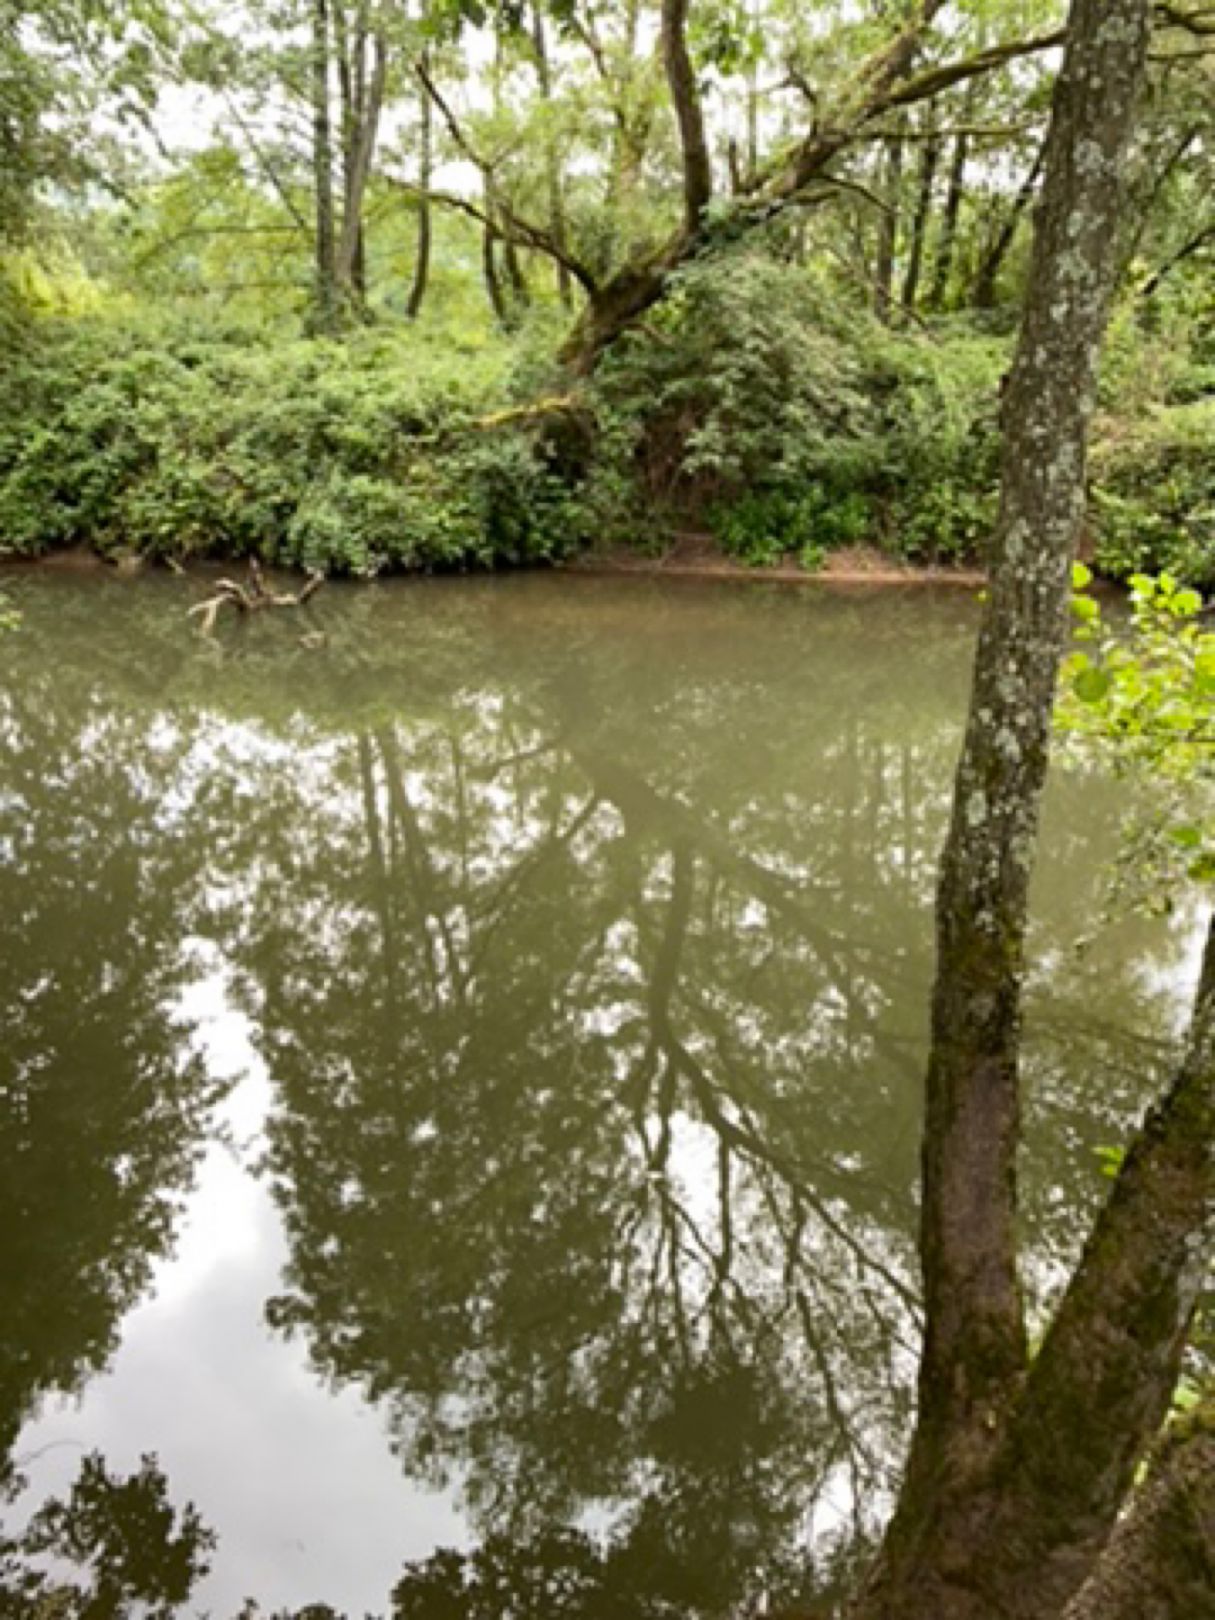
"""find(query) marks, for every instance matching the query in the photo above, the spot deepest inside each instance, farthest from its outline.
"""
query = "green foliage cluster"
(1147, 698)
(789, 424)
(350, 457)
(1154, 494)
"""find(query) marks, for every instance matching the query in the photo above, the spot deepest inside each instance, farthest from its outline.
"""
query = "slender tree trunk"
(629, 133)
(942, 269)
(490, 273)
(993, 260)
(421, 264)
(552, 156)
(930, 158)
(689, 115)
(972, 1539)
(1196, 243)
(360, 153)
(753, 102)
(325, 289)
(520, 295)
(888, 230)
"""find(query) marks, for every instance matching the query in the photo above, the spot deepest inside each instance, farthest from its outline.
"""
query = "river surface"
(460, 1059)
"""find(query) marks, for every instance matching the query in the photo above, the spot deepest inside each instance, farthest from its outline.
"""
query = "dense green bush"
(753, 404)
(759, 406)
(1153, 501)
(352, 457)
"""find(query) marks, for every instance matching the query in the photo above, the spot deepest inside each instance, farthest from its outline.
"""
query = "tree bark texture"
(1160, 1562)
(939, 1558)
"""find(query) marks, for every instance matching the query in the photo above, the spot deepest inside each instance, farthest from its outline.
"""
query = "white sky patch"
(298, 1479)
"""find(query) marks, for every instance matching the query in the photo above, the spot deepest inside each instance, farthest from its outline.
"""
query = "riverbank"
(690, 556)
(698, 556)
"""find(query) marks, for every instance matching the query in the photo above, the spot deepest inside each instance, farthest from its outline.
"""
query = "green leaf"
(1093, 684)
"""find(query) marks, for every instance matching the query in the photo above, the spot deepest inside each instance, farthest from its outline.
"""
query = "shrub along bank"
(752, 405)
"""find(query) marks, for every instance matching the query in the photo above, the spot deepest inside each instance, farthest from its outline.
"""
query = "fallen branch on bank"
(254, 597)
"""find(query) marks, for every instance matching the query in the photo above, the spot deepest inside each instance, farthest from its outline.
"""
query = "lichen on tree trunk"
(938, 1558)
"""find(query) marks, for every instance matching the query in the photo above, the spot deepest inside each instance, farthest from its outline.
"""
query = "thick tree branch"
(934, 81)
(1160, 1562)
(1102, 1382)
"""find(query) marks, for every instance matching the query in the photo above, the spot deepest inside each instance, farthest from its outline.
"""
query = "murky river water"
(460, 1053)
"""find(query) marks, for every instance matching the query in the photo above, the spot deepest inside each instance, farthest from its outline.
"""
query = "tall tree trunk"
(753, 101)
(942, 269)
(490, 273)
(630, 131)
(964, 1544)
(888, 229)
(993, 260)
(520, 295)
(552, 156)
(689, 115)
(930, 158)
(325, 287)
(363, 134)
(421, 264)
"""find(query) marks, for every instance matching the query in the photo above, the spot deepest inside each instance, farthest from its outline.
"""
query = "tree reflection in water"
(590, 971)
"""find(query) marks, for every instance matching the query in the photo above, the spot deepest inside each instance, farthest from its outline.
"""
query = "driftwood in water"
(253, 597)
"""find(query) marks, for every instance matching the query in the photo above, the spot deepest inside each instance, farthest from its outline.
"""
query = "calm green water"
(460, 1075)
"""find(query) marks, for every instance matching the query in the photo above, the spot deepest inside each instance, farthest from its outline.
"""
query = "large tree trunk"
(954, 1550)
(1160, 1563)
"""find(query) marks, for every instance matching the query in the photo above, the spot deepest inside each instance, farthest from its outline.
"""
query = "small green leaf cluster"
(1147, 697)
(764, 527)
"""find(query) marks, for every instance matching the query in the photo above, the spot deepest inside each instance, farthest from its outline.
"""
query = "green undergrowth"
(352, 457)
(752, 404)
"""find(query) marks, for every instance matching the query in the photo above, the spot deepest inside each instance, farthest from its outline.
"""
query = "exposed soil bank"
(697, 556)
(691, 557)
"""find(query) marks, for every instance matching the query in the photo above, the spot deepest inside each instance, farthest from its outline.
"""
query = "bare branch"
(504, 223)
